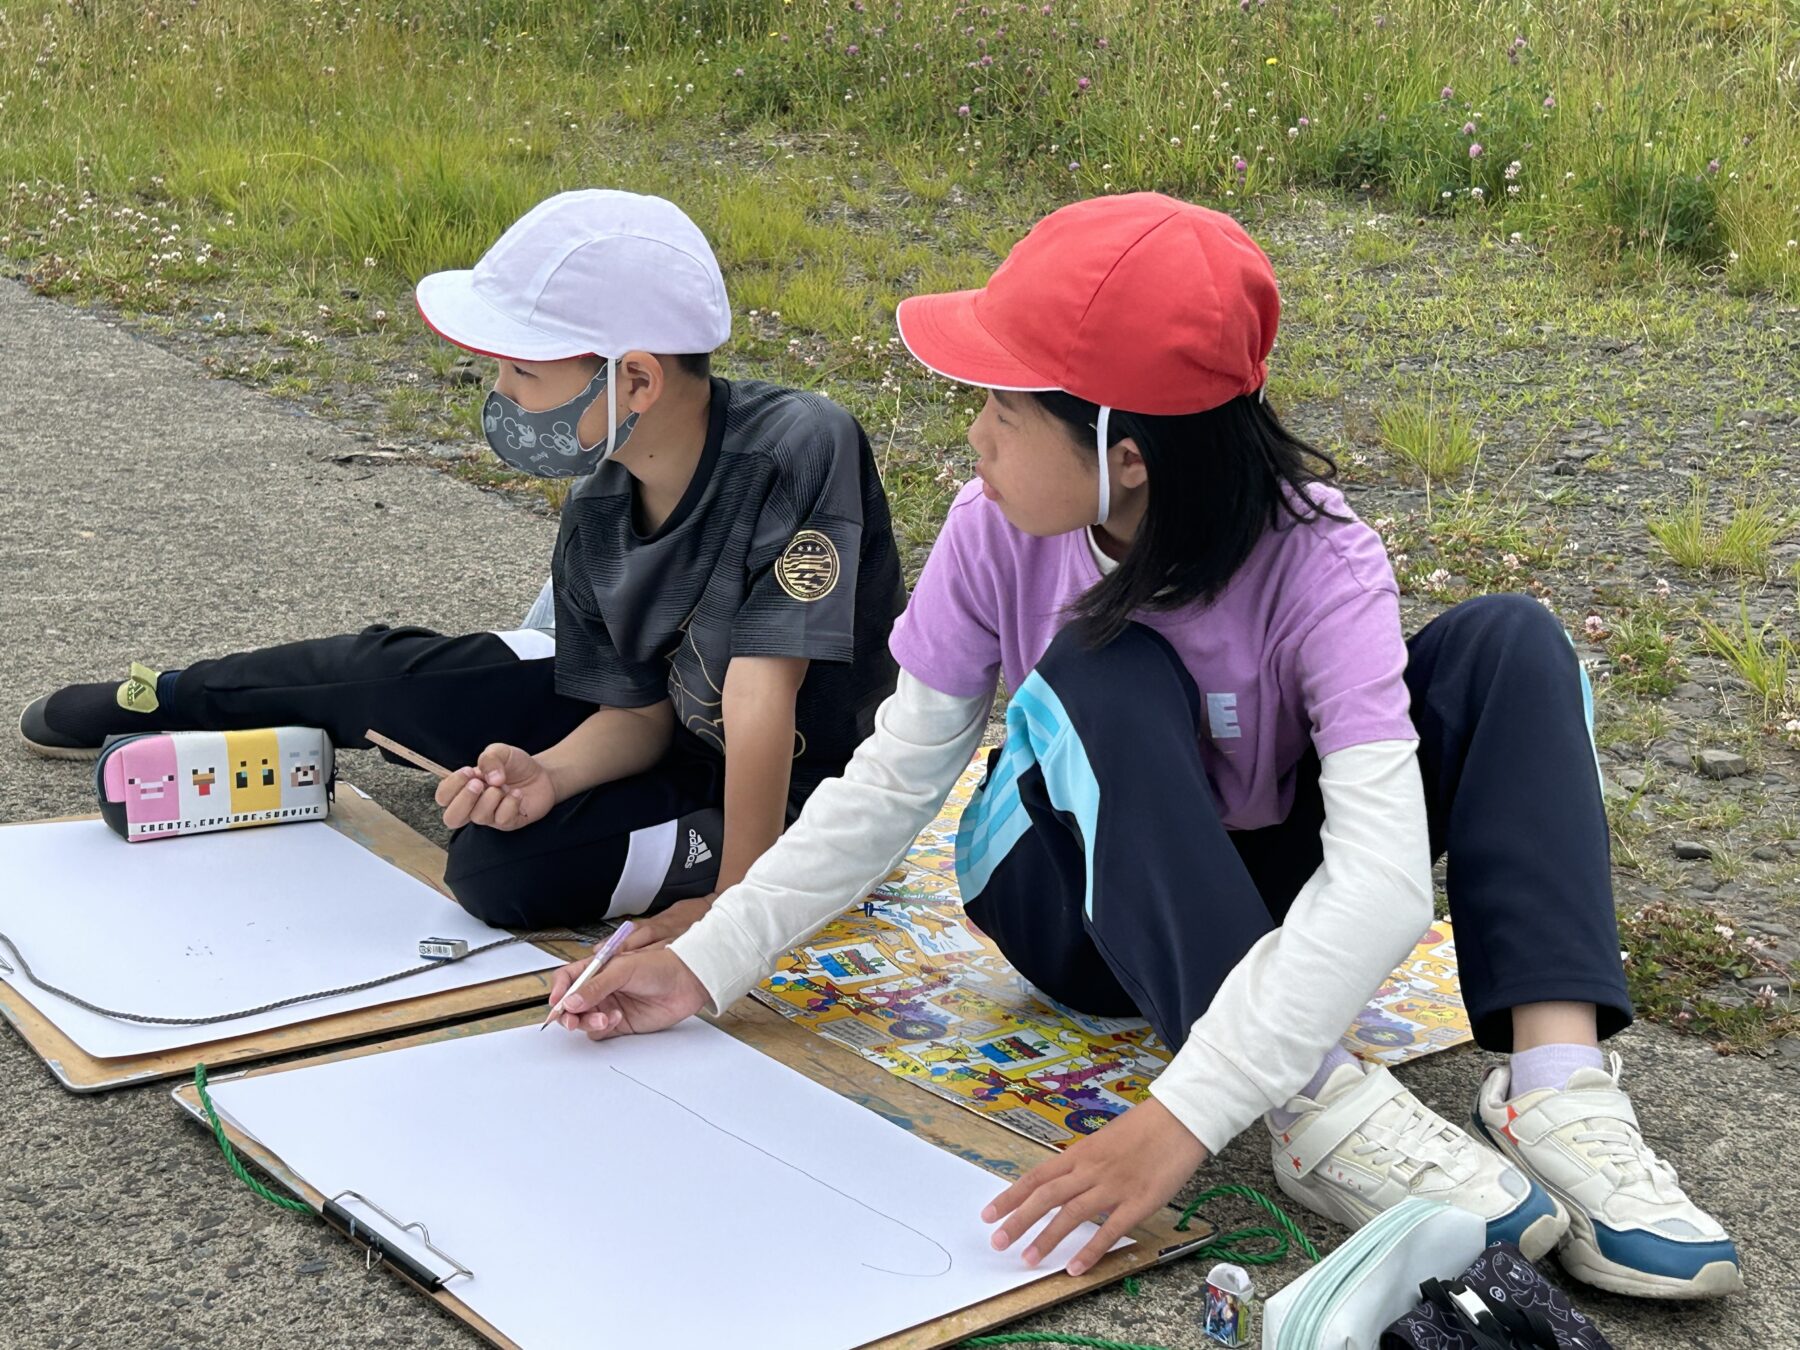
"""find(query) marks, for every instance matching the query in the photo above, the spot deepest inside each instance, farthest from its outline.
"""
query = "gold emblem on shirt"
(808, 568)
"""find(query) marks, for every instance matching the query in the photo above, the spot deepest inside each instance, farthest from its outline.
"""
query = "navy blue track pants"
(646, 840)
(1103, 873)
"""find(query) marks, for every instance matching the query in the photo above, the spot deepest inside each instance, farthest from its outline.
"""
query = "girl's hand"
(661, 929)
(506, 789)
(1116, 1178)
(635, 992)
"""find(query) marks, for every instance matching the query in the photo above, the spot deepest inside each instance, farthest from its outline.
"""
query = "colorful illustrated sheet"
(904, 981)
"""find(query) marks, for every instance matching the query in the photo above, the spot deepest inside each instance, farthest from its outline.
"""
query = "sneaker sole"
(78, 752)
(1584, 1261)
(1537, 1241)
(1541, 1235)
(1580, 1254)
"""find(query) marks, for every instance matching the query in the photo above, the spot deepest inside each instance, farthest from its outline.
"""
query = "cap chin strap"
(1105, 476)
(612, 408)
(1100, 442)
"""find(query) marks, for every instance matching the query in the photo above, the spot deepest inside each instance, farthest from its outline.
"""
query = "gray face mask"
(546, 443)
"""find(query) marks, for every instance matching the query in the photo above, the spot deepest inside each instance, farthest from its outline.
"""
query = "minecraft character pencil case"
(157, 785)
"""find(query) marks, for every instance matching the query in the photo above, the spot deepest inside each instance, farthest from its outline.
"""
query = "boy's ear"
(642, 380)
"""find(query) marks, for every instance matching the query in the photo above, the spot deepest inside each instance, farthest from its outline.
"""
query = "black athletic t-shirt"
(781, 546)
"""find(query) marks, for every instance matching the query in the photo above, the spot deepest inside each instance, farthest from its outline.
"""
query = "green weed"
(1646, 655)
(1740, 545)
(1680, 967)
(1764, 658)
(1436, 442)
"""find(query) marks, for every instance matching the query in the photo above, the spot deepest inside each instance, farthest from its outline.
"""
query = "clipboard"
(435, 1272)
(359, 818)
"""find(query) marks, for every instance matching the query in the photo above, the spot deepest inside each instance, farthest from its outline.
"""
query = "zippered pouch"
(1345, 1301)
(157, 785)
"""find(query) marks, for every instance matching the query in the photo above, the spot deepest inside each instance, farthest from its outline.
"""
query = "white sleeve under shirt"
(1280, 1009)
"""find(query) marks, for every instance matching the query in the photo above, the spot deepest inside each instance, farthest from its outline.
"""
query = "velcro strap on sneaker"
(1564, 1108)
(1337, 1122)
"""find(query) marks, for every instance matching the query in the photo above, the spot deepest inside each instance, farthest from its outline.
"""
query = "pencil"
(410, 756)
(602, 954)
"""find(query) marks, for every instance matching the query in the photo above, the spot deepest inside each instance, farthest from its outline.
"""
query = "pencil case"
(157, 785)
(1346, 1301)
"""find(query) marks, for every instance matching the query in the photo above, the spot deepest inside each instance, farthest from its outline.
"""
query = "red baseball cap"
(1139, 302)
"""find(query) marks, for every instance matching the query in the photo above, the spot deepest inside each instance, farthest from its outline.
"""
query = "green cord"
(1223, 1247)
(231, 1157)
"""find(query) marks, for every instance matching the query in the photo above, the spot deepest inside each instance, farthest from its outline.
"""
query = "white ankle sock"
(1551, 1066)
(1335, 1059)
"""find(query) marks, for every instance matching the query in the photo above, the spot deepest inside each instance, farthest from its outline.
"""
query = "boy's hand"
(506, 789)
(634, 992)
(661, 929)
(1117, 1178)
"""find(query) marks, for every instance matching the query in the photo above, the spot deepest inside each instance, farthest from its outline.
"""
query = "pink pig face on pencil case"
(142, 776)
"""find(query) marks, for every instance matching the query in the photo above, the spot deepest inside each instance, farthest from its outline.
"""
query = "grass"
(1765, 659)
(1436, 443)
(1646, 654)
(1741, 544)
(335, 132)
(1681, 968)
(295, 168)
(1472, 542)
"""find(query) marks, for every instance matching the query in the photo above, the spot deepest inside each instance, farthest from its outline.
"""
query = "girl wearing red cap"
(1225, 778)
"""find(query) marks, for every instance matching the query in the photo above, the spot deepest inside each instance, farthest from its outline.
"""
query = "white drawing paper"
(203, 924)
(672, 1190)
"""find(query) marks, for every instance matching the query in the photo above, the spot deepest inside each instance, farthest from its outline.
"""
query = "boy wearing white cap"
(725, 571)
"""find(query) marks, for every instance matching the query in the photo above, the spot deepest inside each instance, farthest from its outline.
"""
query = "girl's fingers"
(602, 1025)
(1100, 1244)
(560, 982)
(1040, 1202)
(1009, 1199)
(600, 991)
(1088, 1205)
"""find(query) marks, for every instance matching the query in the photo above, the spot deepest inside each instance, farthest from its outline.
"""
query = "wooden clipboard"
(949, 1126)
(383, 834)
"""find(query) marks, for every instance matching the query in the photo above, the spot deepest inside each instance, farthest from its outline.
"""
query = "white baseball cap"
(588, 273)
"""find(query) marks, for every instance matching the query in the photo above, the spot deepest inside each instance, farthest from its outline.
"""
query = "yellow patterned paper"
(906, 983)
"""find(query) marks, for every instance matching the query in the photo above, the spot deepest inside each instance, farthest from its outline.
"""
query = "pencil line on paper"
(949, 1260)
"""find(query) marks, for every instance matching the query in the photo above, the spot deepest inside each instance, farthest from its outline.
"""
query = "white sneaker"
(1367, 1144)
(1632, 1228)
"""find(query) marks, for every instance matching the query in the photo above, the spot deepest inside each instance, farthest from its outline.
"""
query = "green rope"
(1223, 1247)
(231, 1157)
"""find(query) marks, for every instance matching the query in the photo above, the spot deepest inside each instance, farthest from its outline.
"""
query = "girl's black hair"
(1217, 480)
